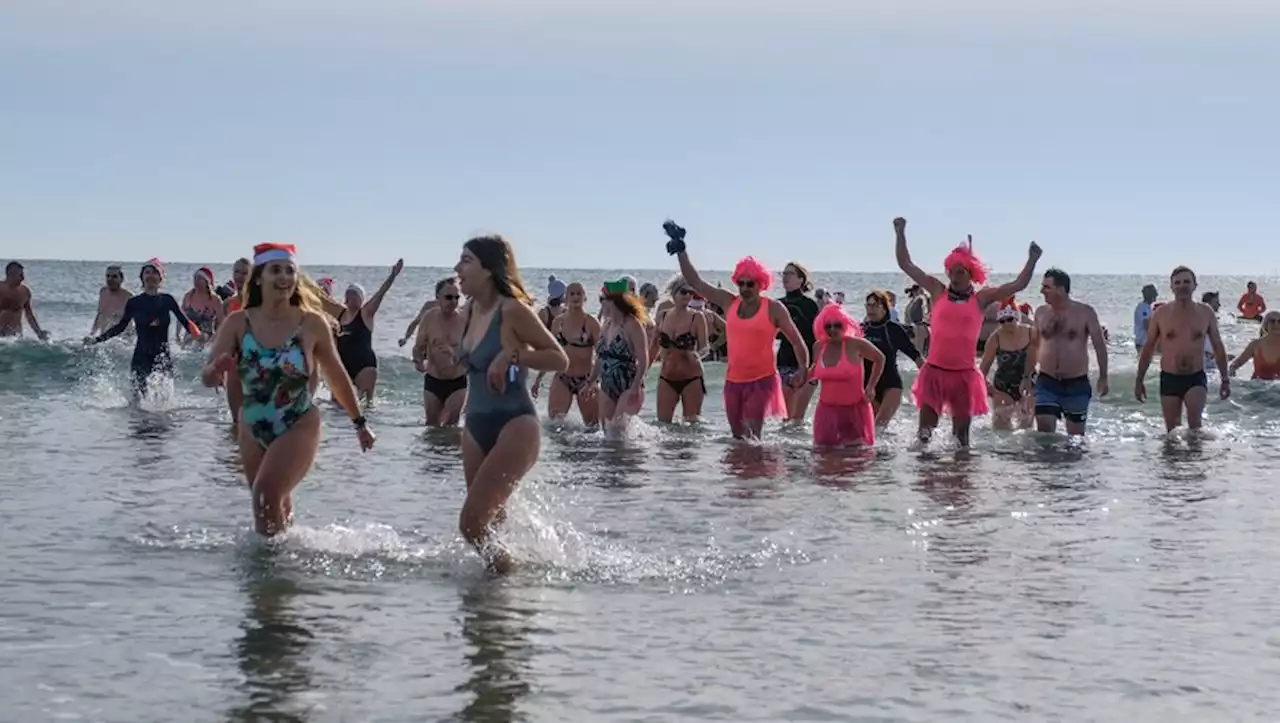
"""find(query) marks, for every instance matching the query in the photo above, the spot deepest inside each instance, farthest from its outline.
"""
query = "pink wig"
(750, 269)
(963, 257)
(835, 314)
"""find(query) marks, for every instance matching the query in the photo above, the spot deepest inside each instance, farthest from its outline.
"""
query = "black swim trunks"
(1177, 385)
(442, 389)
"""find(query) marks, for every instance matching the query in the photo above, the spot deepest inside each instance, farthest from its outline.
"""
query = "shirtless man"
(1062, 385)
(111, 300)
(1179, 328)
(444, 386)
(15, 303)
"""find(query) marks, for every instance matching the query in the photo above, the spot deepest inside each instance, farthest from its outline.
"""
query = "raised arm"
(370, 307)
(915, 273)
(713, 294)
(540, 349)
(782, 319)
(999, 293)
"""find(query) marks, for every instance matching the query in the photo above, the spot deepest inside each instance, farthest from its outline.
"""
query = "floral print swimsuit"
(276, 386)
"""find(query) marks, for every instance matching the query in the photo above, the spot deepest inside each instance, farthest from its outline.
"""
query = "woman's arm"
(1244, 357)
(186, 323)
(999, 293)
(325, 352)
(867, 350)
(989, 353)
(370, 307)
(226, 344)
(638, 337)
(702, 333)
(901, 341)
(535, 347)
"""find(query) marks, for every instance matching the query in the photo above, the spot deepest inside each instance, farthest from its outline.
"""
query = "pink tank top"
(953, 333)
(750, 341)
(842, 383)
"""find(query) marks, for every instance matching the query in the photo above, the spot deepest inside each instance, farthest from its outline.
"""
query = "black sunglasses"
(451, 297)
(746, 284)
(833, 327)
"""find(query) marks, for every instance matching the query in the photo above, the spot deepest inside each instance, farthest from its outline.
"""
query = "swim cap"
(356, 288)
(555, 288)
(268, 252)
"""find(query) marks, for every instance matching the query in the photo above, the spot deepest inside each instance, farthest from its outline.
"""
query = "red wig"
(963, 257)
(750, 269)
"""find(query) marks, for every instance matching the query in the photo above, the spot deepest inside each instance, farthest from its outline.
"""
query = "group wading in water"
(272, 335)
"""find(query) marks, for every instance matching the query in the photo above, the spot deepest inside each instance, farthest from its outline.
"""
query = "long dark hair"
(496, 256)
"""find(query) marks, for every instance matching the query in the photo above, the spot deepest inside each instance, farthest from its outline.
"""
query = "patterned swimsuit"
(276, 386)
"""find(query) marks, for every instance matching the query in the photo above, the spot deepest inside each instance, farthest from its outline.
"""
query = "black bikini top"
(583, 342)
(688, 341)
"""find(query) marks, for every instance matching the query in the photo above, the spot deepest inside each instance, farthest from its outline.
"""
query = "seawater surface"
(670, 574)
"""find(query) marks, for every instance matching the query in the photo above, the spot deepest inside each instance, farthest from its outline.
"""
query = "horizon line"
(617, 268)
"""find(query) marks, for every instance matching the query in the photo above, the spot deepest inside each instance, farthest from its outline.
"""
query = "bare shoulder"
(1085, 310)
(313, 322)
(431, 314)
(235, 322)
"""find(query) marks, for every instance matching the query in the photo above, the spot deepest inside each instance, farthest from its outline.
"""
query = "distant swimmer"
(1251, 305)
(444, 380)
(683, 336)
(892, 339)
(1013, 349)
(355, 333)
(555, 301)
(622, 354)
(1263, 352)
(112, 298)
(1065, 328)
(15, 303)
(276, 346)
(1179, 328)
(502, 339)
(949, 382)
(1142, 315)
(149, 312)
(202, 305)
(577, 332)
(844, 415)
(752, 385)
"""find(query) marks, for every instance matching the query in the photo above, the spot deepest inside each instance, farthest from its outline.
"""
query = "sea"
(668, 573)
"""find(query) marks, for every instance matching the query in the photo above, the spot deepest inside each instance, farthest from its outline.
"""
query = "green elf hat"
(617, 287)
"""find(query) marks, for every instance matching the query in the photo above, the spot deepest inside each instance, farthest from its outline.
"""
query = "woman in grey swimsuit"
(577, 331)
(502, 339)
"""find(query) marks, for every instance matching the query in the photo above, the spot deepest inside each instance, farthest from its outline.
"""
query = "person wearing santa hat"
(202, 305)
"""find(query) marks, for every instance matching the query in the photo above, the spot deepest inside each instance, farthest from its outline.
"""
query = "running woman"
(201, 305)
(681, 339)
(149, 312)
(276, 345)
(577, 331)
(622, 354)
(752, 387)
(949, 382)
(892, 339)
(355, 334)
(502, 339)
(844, 415)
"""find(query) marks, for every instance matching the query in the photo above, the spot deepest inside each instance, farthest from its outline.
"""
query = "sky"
(1123, 137)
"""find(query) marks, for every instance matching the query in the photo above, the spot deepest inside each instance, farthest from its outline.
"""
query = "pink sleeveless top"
(751, 355)
(842, 383)
(954, 330)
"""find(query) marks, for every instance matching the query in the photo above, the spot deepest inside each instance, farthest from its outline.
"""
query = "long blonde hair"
(306, 295)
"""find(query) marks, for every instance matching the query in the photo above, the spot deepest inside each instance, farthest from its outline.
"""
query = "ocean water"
(670, 574)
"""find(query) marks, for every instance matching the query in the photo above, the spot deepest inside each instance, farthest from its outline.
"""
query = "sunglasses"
(451, 297)
(1006, 321)
(746, 284)
(684, 292)
(833, 327)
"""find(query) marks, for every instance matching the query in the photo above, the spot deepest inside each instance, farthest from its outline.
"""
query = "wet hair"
(1061, 279)
(496, 256)
(115, 269)
(674, 284)
(751, 269)
(806, 285)
(444, 282)
(629, 304)
(835, 314)
(306, 294)
(12, 265)
(1184, 269)
(962, 256)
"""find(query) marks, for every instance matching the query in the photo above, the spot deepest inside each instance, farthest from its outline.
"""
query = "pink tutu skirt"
(958, 392)
(754, 401)
(841, 424)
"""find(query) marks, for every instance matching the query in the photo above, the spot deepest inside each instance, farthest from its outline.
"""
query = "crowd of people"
(273, 334)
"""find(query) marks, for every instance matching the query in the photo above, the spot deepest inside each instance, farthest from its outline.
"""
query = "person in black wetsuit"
(892, 339)
(149, 312)
(355, 334)
(803, 310)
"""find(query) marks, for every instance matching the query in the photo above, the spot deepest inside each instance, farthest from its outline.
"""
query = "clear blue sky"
(1124, 136)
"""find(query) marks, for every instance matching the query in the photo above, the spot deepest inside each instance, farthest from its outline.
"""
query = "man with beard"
(444, 384)
(111, 301)
(1180, 328)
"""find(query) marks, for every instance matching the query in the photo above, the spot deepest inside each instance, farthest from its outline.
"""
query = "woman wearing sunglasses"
(1013, 348)
(844, 415)
(680, 341)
